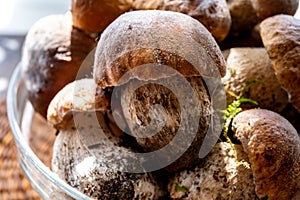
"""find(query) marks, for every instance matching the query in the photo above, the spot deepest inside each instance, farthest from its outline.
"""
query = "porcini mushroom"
(53, 53)
(213, 14)
(139, 47)
(250, 75)
(93, 16)
(269, 8)
(98, 177)
(273, 148)
(243, 15)
(281, 38)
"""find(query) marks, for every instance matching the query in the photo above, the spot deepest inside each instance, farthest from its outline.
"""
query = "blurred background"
(18, 15)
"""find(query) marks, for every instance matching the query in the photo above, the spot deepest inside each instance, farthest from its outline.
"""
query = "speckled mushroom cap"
(53, 53)
(78, 96)
(250, 74)
(281, 38)
(273, 148)
(222, 176)
(213, 14)
(159, 37)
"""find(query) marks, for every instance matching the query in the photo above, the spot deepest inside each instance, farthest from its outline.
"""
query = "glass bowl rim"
(24, 147)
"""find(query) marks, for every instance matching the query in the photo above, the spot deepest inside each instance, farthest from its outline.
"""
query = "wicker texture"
(13, 183)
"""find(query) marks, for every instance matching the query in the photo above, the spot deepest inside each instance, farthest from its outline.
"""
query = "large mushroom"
(74, 112)
(53, 54)
(273, 148)
(159, 48)
(281, 38)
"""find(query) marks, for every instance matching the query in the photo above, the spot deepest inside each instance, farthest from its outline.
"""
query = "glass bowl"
(34, 140)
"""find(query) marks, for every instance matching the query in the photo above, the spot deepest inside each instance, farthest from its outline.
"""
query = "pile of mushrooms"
(108, 74)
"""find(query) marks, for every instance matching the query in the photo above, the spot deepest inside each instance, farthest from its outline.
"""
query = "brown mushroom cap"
(243, 15)
(78, 96)
(250, 74)
(273, 148)
(159, 37)
(213, 14)
(281, 38)
(93, 16)
(269, 8)
(53, 53)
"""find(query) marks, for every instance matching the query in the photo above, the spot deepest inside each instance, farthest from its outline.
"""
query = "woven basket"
(13, 183)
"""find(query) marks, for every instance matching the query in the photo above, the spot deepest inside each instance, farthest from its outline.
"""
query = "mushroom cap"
(53, 53)
(269, 8)
(213, 14)
(98, 177)
(160, 37)
(78, 96)
(273, 148)
(281, 38)
(93, 16)
(220, 177)
(243, 15)
(249, 72)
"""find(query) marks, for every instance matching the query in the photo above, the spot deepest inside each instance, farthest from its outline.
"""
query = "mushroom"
(269, 8)
(281, 38)
(155, 49)
(273, 148)
(100, 176)
(53, 54)
(250, 75)
(93, 16)
(243, 15)
(213, 14)
(220, 177)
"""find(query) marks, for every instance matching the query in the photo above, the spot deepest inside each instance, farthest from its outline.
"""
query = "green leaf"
(181, 188)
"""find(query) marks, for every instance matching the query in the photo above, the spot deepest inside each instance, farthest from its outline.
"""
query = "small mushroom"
(250, 75)
(93, 16)
(269, 8)
(213, 14)
(98, 177)
(159, 43)
(53, 53)
(281, 38)
(222, 176)
(273, 148)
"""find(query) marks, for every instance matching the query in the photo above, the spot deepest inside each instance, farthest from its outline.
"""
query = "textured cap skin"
(159, 37)
(213, 14)
(267, 8)
(273, 148)
(281, 38)
(220, 177)
(53, 53)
